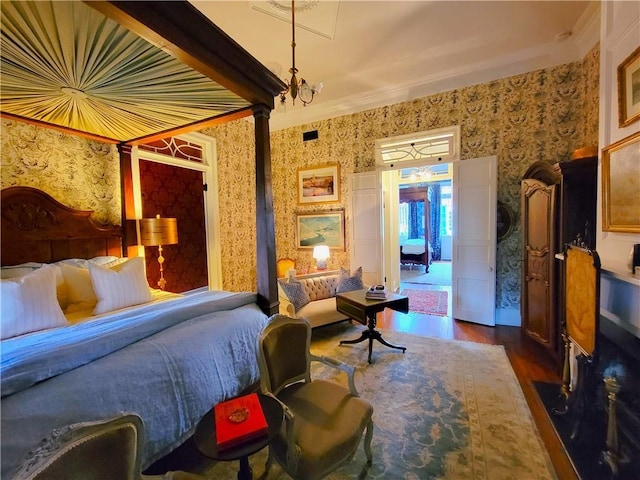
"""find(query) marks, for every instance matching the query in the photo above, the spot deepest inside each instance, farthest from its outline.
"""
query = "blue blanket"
(169, 363)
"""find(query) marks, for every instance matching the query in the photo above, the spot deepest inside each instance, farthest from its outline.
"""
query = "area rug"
(431, 302)
(443, 410)
(439, 274)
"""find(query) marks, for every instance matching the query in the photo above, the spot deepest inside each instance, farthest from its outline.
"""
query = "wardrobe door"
(538, 281)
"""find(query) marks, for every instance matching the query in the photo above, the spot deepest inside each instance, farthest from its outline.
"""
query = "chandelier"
(296, 88)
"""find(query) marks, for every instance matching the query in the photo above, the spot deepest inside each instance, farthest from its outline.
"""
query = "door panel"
(365, 230)
(538, 233)
(176, 192)
(474, 240)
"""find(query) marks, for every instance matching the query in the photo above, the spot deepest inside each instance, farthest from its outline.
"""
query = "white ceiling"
(385, 52)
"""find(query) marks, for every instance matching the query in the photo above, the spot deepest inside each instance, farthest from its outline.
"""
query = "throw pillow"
(347, 283)
(121, 286)
(29, 303)
(295, 292)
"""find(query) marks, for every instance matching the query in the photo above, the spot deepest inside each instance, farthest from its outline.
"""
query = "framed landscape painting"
(629, 89)
(620, 186)
(319, 184)
(320, 229)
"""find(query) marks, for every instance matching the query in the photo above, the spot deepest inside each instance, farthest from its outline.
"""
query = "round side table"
(205, 437)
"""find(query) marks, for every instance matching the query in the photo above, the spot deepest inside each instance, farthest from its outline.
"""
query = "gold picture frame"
(620, 186)
(322, 228)
(319, 184)
(629, 89)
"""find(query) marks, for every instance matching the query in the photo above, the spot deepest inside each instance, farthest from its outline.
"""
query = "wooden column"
(128, 209)
(265, 229)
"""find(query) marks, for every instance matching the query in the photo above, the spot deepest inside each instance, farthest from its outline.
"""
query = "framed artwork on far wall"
(319, 184)
(326, 228)
(620, 186)
(629, 89)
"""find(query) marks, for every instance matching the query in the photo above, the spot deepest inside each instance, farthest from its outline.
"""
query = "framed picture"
(629, 89)
(320, 229)
(319, 184)
(620, 186)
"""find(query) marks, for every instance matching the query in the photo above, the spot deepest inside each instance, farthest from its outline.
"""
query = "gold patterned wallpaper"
(80, 173)
(541, 115)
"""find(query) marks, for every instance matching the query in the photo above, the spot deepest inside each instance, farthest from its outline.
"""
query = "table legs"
(372, 334)
(245, 472)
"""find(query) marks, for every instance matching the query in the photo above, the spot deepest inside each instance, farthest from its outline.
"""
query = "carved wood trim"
(36, 227)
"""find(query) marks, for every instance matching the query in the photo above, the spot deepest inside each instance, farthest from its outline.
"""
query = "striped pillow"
(29, 303)
(120, 286)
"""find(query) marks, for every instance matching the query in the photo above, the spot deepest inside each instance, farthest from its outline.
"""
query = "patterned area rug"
(431, 302)
(443, 410)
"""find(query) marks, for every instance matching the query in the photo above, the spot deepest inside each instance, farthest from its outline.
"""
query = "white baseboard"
(509, 317)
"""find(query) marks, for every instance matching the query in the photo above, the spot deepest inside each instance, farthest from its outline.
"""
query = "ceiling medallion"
(303, 5)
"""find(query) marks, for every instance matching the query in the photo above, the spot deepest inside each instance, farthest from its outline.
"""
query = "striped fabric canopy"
(66, 64)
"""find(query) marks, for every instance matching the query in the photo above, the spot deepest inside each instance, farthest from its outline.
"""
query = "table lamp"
(157, 232)
(321, 254)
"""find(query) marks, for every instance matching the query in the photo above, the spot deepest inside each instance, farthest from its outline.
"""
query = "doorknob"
(491, 269)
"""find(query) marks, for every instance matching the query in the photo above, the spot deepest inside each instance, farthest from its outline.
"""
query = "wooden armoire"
(558, 205)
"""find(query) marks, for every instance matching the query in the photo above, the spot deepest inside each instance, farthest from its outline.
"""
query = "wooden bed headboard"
(38, 228)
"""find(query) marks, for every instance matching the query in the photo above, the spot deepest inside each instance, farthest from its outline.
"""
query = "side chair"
(101, 450)
(324, 421)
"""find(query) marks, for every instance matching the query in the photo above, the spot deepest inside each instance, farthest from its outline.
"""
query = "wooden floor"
(527, 358)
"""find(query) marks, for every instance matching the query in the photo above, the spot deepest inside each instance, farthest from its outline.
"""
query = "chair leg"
(367, 442)
(267, 465)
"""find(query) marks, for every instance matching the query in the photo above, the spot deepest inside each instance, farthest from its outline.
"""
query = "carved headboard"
(38, 228)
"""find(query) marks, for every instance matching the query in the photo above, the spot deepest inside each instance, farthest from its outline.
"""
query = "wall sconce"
(157, 232)
(321, 254)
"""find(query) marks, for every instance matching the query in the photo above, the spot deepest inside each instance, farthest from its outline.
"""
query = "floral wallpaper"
(540, 115)
(79, 173)
(237, 203)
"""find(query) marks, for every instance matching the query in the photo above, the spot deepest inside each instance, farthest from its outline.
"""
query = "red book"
(238, 420)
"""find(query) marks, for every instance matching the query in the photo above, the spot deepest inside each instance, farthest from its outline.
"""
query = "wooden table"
(356, 306)
(205, 437)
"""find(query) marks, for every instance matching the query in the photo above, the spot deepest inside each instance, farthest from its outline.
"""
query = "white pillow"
(80, 294)
(121, 286)
(14, 271)
(29, 303)
(84, 263)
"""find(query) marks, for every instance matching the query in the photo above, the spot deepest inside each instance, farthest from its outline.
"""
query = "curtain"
(414, 221)
(435, 197)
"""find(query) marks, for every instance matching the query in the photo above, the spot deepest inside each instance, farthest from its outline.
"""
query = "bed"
(168, 358)
(414, 251)
(133, 74)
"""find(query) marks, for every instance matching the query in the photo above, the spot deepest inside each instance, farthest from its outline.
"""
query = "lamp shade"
(158, 231)
(321, 252)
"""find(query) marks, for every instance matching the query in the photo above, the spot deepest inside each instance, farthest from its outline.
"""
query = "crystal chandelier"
(296, 88)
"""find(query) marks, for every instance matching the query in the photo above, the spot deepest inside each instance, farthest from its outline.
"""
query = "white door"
(473, 273)
(391, 230)
(365, 228)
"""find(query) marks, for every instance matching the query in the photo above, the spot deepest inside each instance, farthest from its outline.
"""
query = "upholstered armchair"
(101, 450)
(284, 265)
(324, 421)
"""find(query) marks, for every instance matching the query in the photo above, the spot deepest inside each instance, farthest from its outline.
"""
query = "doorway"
(425, 226)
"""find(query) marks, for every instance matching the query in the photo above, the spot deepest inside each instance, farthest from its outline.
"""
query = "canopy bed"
(131, 73)
(415, 248)
(166, 357)
(126, 73)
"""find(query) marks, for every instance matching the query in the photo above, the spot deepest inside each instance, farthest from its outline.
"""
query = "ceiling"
(374, 53)
(128, 71)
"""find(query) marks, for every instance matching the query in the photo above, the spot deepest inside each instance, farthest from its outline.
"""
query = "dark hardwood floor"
(529, 361)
